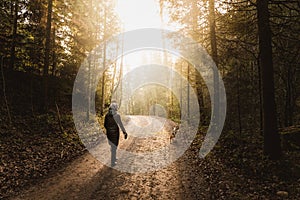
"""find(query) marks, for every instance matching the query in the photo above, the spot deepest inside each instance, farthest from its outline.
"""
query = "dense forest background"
(255, 44)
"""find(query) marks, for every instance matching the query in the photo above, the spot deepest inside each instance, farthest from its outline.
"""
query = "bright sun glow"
(136, 14)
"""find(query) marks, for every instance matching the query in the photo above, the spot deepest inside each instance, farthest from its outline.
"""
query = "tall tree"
(214, 54)
(14, 12)
(47, 52)
(102, 100)
(48, 38)
(271, 136)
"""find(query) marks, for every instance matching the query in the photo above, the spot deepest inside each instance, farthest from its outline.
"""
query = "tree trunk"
(104, 67)
(15, 10)
(214, 54)
(213, 37)
(48, 38)
(114, 74)
(102, 102)
(260, 97)
(239, 99)
(288, 121)
(47, 53)
(4, 92)
(272, 146)
(54, 61)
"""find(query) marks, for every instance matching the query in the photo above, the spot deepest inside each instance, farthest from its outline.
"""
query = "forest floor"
(39, 161)
(188, 178)
(87, 178)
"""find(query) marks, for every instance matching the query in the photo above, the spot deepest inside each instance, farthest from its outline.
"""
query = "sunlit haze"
(135, 14)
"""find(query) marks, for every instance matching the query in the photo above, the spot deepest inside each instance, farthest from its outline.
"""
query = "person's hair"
(113, 106)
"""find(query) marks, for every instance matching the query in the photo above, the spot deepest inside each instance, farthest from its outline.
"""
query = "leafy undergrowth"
(237, 169)
(33, 147)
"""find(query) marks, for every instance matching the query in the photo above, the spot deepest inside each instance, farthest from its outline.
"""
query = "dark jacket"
(112, 122)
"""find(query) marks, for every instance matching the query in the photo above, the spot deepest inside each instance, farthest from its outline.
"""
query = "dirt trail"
(87, 178)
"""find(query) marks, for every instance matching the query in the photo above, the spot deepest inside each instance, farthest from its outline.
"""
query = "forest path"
(87, 178)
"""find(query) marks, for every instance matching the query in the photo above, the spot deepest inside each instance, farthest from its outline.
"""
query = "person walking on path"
(112, 124)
